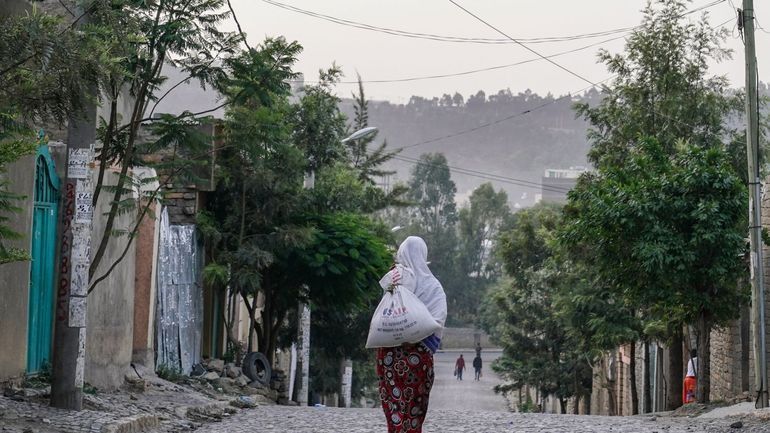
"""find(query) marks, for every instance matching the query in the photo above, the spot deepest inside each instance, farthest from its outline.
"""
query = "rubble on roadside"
(144, 402)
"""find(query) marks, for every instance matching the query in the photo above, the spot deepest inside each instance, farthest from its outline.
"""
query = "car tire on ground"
(257, 368)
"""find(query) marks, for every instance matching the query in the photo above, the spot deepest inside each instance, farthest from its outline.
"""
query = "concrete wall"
(14, 277)
(110, 331)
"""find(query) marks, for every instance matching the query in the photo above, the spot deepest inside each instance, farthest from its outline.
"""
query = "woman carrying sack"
(405, 372)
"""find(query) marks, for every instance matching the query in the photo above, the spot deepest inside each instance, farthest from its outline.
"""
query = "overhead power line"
(488, 176)
(474, 71)
(458, 39)
(442, 38)
(530, 110)
(486, 23)
(624, 32)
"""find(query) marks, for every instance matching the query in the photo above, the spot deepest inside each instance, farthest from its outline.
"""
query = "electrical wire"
(489, 176)
(474, 71)
(478, 18)
(442, 38)
(510, 180)
(458, 39)
(539, 107)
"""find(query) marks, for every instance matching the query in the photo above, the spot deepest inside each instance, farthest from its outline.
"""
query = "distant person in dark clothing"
(477, 366)
(478, 349)
(459, 367)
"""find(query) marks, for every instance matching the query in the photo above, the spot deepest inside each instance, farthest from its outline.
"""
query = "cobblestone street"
(275, 419)
(460, 407)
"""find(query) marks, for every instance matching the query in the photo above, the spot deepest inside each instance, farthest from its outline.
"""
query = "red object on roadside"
(688, 391)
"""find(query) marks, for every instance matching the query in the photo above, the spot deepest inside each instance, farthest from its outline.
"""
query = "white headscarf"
(413, 255)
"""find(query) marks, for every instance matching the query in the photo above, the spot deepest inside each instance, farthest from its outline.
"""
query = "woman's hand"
(396, 280)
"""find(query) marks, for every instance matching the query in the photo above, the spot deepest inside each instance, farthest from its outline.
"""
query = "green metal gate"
(41, 290)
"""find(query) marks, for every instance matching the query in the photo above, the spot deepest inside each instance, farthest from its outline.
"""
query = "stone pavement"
(275, 419)
(451, 394)
(25, 416)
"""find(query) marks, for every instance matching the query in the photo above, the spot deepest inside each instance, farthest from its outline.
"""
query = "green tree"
(478, 266)
(433, 216)
(665, 234)
(14, 143)
(270, 238)
(538, 349)
(343, 295)
(662, 87)
(662, 91)
(479, 225)
(45, 69)
(140, 39)
(367, 161)
(319, 125)
(432, 191)
(252, 218)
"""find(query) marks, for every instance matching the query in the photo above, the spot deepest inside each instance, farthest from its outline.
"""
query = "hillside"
(520, 148)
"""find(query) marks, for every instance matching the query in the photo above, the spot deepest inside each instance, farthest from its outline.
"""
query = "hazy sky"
(378, 56)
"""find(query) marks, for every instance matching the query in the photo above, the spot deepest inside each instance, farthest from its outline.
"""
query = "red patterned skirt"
(406, 378)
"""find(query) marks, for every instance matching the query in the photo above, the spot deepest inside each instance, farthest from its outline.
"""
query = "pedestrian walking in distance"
(459, 367)
(406, 372)
(477, 366)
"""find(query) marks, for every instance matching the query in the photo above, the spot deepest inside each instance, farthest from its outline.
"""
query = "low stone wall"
(464, 338)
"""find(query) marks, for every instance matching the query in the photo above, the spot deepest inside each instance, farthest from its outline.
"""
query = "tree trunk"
(675, 373)
(562, 405)
(609, 385)
(252, 322)
(647, 378)
(577, 393)
(341, 401)
(703, 369)
(587, 399)
(632, 377)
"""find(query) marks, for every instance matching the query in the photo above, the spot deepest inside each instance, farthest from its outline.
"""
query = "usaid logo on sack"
(393, 310)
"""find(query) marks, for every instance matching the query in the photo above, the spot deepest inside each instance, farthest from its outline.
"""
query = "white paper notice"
(84, 210)
(77, 165)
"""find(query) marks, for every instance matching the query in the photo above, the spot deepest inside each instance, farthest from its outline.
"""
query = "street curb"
(132, 424)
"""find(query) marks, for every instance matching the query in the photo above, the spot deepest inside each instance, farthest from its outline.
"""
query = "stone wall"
(729, 380)
(766, 267)
(182, 205)
(464, 338)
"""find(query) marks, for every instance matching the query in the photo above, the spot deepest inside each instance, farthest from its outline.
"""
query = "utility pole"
(302, 383)
(746, 20)
(74, 260)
